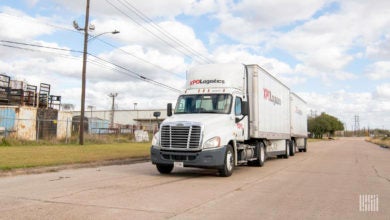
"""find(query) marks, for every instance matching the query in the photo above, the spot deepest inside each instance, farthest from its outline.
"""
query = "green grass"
(12, 157)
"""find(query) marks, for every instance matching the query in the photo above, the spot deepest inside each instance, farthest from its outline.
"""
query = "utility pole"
(357, 125)
(91, 108)
(83, 78)
(85, 53)
(112, 95)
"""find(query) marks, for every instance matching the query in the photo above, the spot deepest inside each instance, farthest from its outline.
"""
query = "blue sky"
(335, 54)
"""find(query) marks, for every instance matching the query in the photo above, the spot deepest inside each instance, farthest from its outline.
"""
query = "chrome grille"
(180, 137)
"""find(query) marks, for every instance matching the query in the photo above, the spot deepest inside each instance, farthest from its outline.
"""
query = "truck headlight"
(156, 140)
(212, 143)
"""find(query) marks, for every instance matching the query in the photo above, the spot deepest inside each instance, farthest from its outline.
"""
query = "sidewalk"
(37, 170)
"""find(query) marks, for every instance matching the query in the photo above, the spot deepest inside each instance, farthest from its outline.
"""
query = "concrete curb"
(37, 170)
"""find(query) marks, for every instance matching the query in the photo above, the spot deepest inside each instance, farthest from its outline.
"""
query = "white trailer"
(229, 115)
(269, 110)
(298, 115)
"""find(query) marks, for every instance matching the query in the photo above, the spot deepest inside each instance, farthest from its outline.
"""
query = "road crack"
(378, 175)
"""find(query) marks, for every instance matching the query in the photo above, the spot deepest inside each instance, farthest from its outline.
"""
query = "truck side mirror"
(169, 109)
(245, 108)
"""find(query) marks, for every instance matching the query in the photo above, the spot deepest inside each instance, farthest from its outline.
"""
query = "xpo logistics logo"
(206, 81)
(270, 97)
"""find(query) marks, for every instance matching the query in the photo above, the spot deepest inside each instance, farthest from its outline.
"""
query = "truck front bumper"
(214, 158)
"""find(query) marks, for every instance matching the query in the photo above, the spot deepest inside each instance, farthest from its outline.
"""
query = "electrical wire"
(157, 27)
(152, 33)
(105, 42)
(117, 68)
(139, 58)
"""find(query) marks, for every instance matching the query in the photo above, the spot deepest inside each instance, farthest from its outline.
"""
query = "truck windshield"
(210, 103)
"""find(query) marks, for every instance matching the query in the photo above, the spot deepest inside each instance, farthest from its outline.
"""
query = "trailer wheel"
(260, 155)
(293, 147)
(305, 146)
(228, 166)
(287, 153)
(164, 168)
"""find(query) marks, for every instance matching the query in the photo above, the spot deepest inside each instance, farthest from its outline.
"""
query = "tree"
(324, 123)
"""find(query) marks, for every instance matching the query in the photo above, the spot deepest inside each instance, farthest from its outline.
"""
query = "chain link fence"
(65, 129)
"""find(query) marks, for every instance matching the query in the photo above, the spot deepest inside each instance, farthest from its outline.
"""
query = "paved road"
(324, 183)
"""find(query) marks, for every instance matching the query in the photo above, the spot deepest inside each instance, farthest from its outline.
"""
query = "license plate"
(178, 164)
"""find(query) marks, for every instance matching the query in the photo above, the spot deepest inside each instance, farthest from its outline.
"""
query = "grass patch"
(383, 141)
(12, 157)
(88, 139)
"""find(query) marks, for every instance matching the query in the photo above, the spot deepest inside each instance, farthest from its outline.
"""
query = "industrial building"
(119, 121)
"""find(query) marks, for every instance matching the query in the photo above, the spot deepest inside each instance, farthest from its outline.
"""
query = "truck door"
(240, 121)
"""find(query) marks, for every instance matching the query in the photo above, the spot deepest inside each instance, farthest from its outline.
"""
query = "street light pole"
(83, 78)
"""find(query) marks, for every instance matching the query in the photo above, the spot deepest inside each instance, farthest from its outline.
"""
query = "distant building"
(127, 119)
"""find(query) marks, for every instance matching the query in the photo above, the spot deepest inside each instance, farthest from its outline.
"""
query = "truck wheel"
(164, 168)
(293, 147)
(305, 147)
(260, 155)
(287, 153)
(228, 166)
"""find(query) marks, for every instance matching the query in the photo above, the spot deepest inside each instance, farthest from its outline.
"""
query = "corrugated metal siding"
(7, 119)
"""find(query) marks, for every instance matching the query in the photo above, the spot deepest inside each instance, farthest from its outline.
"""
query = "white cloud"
(383, 91)
(241, 54)
(254, 22)
(16, 25)
(273, 13)
(345, 105)
(154, 9)
(380, 49)
(324, 45)
(379, 70)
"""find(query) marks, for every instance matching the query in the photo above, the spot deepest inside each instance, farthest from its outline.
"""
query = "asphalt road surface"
(327, 182)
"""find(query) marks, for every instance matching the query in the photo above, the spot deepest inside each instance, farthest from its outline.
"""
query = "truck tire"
(305, 146)
(287, 153)
(261, 155)
(164, 168)
(293, 147)
(228, 166)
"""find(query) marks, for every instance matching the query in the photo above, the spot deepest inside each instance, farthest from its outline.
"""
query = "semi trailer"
(230, 115)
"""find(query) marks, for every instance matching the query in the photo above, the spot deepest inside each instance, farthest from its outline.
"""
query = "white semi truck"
(229, 115)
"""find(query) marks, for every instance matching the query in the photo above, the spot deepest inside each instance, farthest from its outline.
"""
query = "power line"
(118, 68)
(34, 50)
(157, 27)
(139, 58)
(151, 32)
(142, 77)
(105, 42)
(41, 46)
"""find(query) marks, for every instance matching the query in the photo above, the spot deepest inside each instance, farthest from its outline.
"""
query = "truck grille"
(181, 137)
